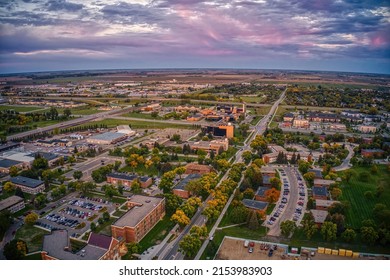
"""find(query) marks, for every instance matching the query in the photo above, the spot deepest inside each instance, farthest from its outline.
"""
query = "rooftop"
(55, 245)
(325, 203)
(317, 172)
(99, 240)
(261, 190)
(8, 202)
(320, 191)
(6, 163)
(373, 150)
(122, 176)
(254, 204)
(319, 215)
(108, 136)
(267, 169)
(47, 156)
(183, 183)
(18, 156)
(25, 181)
(137, 213)
(323, 182)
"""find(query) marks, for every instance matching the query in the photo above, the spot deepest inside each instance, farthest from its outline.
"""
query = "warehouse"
(107, 138)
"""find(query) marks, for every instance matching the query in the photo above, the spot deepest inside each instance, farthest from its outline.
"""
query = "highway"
(172, 252)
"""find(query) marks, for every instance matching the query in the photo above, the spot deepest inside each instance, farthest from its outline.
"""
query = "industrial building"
(107, 138)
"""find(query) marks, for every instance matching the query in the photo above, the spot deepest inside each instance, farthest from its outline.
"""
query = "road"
(345, 164)
(259, 129)
(70, 123)
(8, 236)
(161, 121)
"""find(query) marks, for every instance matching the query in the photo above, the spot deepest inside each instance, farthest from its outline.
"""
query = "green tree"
(67, 113)
(329, 231)
(336, 193)
(253, 221)
(309, 226)
(348, 174)
(106, 216)
(287, 227)
(93, 227)
(239, 214)
(5, 222)
(13, 171)
(15, 250)
(77, 175)
(200, 231)
(172, 202)
(369, 235)
(309, 177)
(136, 187)
(40, 163)
(190, 245)
(9, 187)
(31, 218)
(303, 166)
(348, 235)
(85, 187)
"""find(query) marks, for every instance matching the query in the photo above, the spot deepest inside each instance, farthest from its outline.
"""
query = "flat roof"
(320, 191)
(9, 201)
(323, 182)
(47, 156)
(25, 181)
(18, 156)
(132, 217)
(183, 183)
(254, 204)
(261, 190)
(122, 176)
(54, 245)
(108, 136)
(6, 163)
(325, 203)
(319, 215)
(267, 169)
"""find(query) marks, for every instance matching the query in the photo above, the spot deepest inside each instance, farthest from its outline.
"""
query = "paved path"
(346, 162)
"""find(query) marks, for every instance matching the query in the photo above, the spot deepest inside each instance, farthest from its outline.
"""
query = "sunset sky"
(336, 35)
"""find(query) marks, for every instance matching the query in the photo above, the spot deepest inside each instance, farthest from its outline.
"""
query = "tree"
(93, 226)
(106, 216)
(13, 171)
(287, 227)
(309, 177)
(9, 187)
(248, 193)
(190, 245)
(275, 182)
(272, 195)
(239, 214)
(247, 156)
(253, 221)
(368, 195)
(133, 248)
(338, 207)
(5, 222)
(200, 231)
(348, 235)
(15, 250)
(110, 191)
(329, 231)
(309, 226)
(154, 114)
(181, 218)
(222, 165)
(303, 165)
(336, 193)
(31, 218)
(172, 202)
(40, 163)
(67, 113)
(339, 220)
(77, 175)
(348, 174)
(85, 187)
(136, 187)
(369, 235)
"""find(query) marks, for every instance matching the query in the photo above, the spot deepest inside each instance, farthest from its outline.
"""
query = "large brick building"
(145, 212)
(180, 188)
(195, 168)
(28, 185)
(127, 180)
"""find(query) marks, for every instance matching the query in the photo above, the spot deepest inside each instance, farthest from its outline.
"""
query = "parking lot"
(74, 213)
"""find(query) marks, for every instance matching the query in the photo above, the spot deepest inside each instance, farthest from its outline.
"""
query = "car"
(250, 250)
(273, 219)
(270, 253)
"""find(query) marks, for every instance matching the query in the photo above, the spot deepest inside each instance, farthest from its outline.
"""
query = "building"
(194, 117)
(367, 128)
(223, 130)
(338, 127)
(125, 129)
(324, 204)
(376, 153)
(28, 185)
(319, 216)
(13, 204)
(50, 157)
(288, 117)
(258, 206)
(268, 171)
(57, 246)
(323, 183)
(127, 180)
(323, 117)
(260, 194)
(301, 123)
(152, 107)
(107, 138)
(145, 212)
(195, 168)
(180, 188)
(8, 146)
(208, 146)
(27, 158)
(317, 173)
(6, 164)
(320, 193)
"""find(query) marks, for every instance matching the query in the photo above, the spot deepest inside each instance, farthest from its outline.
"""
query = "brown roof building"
(195, 168)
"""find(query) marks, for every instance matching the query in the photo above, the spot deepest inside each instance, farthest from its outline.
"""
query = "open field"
(20, 108)
(32, 236)
(361, 207)
(138, 124)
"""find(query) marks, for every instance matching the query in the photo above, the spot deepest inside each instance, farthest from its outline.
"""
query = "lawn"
(252, 99)
(115, 199)
(255, 120)
(20, 109)
(361, 207)
(270, 208)
(158, 233)
(32, 236)
(262, 110)
(77, 245)
(142, 170)
(140, 115)
(139, 124)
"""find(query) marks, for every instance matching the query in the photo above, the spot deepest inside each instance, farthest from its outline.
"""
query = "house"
(319, 216)
(260, 194)
(28, 185)
(323, 183)
(57, 246)
(13, 204)
(258, 206)
(143, 214)
(195, 168)
(180, 188)
(320, 193)
(127, 180)
(6, 164)
(324, 204)
(376, 153)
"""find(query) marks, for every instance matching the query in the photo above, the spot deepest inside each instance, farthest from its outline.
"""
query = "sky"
(331, 35)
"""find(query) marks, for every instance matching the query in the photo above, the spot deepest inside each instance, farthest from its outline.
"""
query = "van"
(246, 243)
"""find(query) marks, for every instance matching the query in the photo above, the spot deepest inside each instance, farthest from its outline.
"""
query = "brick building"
(180, 188)
(28, 185)
(195, 168)
(127, 180)
(13, 204)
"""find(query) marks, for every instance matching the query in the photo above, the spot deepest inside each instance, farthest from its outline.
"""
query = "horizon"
(307, 35)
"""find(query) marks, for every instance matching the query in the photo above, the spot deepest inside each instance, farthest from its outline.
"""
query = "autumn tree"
(303, 166)
(9, 187)
(180, 218)
(15, 250)
(13, 171)
(172, 202)
(272, 195)
(348, 174)
(200, 231)
(275, 182)
(259, 144)
(309, 177)
(31, 218)
(336, 193)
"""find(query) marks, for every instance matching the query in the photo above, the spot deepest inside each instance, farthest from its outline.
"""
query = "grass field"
(252, 99)
(262, 110)
(140, 115)
(151, 171)
(20, 109)
(138, 124)
(32, 236)
(361, 207)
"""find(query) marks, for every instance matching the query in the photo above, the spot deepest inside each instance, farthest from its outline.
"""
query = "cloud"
(63, 5)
